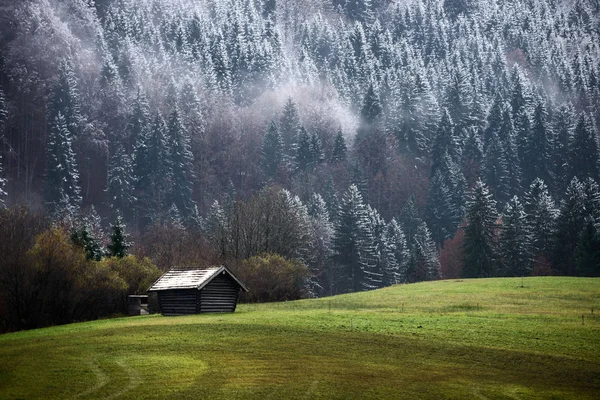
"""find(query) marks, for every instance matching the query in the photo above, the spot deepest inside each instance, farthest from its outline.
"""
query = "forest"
(335, 146)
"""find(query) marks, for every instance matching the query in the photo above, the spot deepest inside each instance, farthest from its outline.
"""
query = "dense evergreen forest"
(370, 142)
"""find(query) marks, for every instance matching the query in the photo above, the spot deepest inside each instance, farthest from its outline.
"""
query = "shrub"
(270, 277)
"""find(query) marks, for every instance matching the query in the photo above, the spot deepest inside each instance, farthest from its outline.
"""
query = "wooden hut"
(191, 291)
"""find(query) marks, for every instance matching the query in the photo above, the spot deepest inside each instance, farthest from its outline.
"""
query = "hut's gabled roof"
(186, 278)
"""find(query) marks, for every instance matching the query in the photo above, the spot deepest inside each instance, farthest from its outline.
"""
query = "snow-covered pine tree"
(120, 183)
(480, 247)
(397, 241)
(3, 193)
(182, 164)
(410, 219)
(331, 201)
(353, 245)
(423, 262)
(217, 228)
(321, 250)
(62, 175)
(160, 171)
(439, 210)
(65, 99)
(541, 213)
(569, 225)
(583, 149)
(563, 127)
(514, 242)
(538, 162)
(385, 262)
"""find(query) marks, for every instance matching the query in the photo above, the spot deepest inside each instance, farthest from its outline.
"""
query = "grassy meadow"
(454, 339)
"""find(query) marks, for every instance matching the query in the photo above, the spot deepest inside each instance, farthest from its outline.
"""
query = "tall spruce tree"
(289, 126)
(338, 153)
(514, 242)
(62, 174)
(397, 241)
(538, 162)
(385, 261)
(541, 213)
(423, 263)
(65, 99)
(182, 164)
(120, 183)
(583, 150)
(439, 210)
(353, 245)
(569, 225)
(119, 243)
(480, 247)
(271, 157)
(3, 193)
(160, 174)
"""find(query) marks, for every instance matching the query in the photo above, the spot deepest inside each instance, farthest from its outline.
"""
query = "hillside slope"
(487, 338)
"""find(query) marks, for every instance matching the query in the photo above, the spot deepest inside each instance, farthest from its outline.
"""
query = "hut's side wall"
(178, 302)
(220, 295)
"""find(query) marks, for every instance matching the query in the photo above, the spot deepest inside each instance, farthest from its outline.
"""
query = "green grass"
(481, 339)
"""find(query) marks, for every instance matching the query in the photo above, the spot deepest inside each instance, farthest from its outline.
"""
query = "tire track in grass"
(101, 380)
(134, 380)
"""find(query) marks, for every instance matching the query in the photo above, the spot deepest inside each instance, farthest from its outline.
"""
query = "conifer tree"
(160, 171)
(322, 231)
(564, 125)
(303, 155)
(587, 252)
(120, 183)
(514, 243)
(439, 210)
(385, 261)
(65, 99)
(338, 154)
(3, 112)
(472, 159)
(541, 213)
(119, 243)
(423, 262)
(410, 219)
(569, 225)
(217, 228)
(538, 148)
(62, 175)
(331, 201)
(444, 142)
(353, 245)
(399, 247)
(271, 158)
(181, 161)
(479, 248)
(88, 235)
(289, 126)
(3, 193)
(583, 150)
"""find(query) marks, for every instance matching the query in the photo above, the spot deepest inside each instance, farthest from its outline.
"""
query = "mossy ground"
(456, 339)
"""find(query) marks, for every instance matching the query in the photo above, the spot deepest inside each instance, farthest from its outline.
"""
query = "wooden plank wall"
(220, 295)
(178, 302)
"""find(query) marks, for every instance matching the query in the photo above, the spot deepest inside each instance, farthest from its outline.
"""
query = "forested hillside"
(373, 141)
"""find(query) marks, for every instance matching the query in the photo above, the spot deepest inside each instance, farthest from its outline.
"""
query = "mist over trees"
(358, 138)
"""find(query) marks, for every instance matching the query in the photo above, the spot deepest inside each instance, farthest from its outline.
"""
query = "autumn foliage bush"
(271, 277)
(45, 279)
